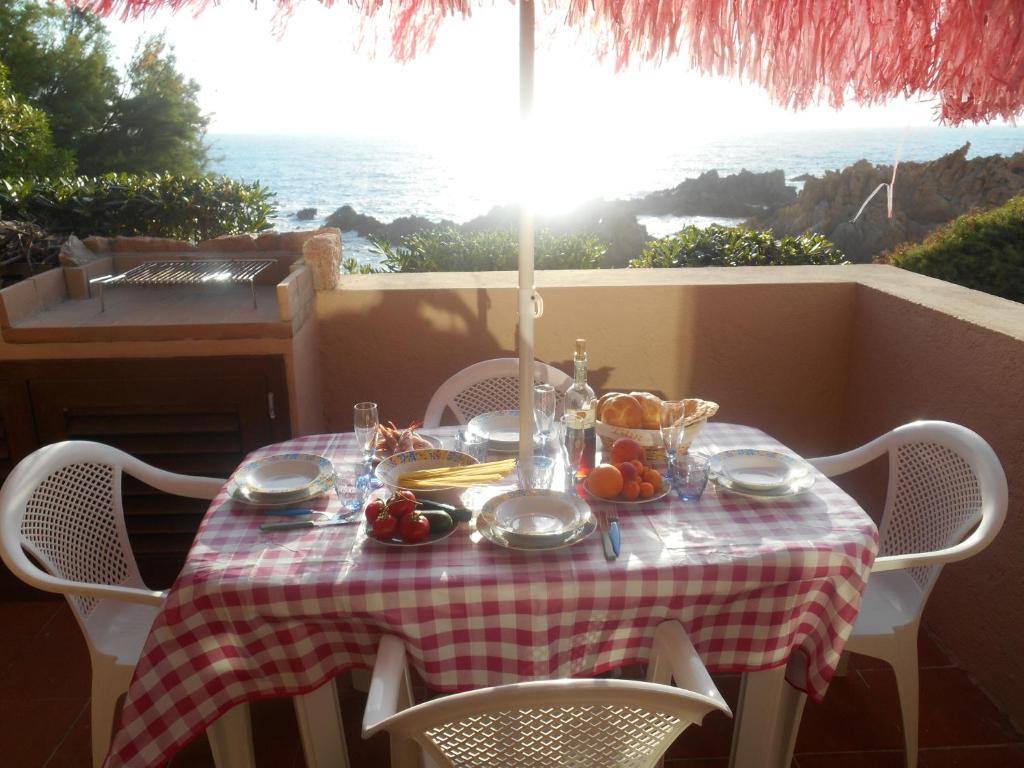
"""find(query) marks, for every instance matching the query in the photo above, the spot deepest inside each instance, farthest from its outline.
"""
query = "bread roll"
(622, 411)
(651, 407)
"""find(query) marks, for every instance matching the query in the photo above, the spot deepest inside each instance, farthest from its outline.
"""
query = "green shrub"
(446, 249)
(157, 205)
(984, 251)
(718, 246)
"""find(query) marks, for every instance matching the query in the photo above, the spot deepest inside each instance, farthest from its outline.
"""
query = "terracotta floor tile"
(31, 730)
(852, 718)
(75, 751)
(953, 712)
(876, 759)
(55, 665)
(22, 620)
(1003, 756)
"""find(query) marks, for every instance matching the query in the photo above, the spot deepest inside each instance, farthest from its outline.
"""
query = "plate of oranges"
(626, 479)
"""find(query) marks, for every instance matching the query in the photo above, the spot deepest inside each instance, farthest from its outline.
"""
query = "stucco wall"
(772, 354)
(936, 356)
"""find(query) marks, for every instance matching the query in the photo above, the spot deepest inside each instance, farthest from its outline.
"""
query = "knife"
(294, 525)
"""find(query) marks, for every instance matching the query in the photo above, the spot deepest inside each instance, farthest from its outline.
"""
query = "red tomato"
(400, 506)
(384, 526)
(373, 510)
(413, 528)
(407, 495)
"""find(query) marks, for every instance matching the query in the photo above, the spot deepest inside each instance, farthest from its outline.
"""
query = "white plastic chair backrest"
(62, 505)
(944, 480)
(591, 723)
(491, 385)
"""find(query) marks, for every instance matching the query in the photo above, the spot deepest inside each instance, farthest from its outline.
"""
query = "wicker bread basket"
(697, 414)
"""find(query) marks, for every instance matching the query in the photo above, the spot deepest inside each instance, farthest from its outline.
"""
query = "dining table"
(766, 587)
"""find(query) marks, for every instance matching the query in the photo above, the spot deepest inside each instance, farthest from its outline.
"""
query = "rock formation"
(925, 195)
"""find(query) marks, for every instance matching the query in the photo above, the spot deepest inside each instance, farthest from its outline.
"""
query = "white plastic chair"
(62, 506)
(573, 722)
(944, 480)
(491, 385)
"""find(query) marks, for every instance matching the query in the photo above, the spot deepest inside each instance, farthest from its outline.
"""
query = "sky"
(311, 80)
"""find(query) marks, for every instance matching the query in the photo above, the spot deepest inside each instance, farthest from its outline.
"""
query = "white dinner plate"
(796, 487)
(283, 476)
(239, 493)
(758, 470)
(495, 536)
(533, 517)
(499, 428)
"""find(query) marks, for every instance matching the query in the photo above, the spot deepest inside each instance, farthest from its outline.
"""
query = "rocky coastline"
(925, 195)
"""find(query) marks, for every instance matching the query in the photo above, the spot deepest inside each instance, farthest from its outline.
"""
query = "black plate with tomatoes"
(404, 521)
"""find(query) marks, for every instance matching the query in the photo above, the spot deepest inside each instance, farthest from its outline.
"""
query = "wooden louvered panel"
(195, 416)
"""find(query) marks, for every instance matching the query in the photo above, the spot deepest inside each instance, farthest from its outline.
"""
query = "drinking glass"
(691, 476)
(574, 437)
(537, 473)
(351, 483)
(366, 421)
(672, 417)
(469, 442)
(543, 411)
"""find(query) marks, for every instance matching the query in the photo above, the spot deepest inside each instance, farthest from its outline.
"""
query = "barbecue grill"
(164, 273)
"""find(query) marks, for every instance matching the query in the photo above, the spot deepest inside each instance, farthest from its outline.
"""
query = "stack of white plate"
(284, 478)
(534, 519)
(499, 428)
(761, 474)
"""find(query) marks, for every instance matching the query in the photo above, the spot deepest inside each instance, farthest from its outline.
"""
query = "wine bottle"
(580, 414)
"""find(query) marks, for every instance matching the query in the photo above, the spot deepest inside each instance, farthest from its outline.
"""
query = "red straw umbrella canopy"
(968, 54)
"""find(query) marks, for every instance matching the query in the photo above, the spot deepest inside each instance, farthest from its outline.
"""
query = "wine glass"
(365, 422)
(672, 417)
(543, 411)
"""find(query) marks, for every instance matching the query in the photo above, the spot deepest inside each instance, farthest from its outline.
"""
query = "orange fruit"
(639, 467)
(646, 490)
(653, 477)
(605, 481)
(631, 489)
(626, 449)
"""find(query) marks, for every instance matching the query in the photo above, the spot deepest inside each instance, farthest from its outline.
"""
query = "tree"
(26, 144)
(59, 61)
(155, 125)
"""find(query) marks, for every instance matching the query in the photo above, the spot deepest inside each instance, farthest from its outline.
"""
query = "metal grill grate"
(156, 273)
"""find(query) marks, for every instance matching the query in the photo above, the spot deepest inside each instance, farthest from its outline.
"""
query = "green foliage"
(446, 249)
(352, 267)
(157, 205)
(984, 251)
(26, 145)
(718, 246)
(155, 126)
(60, 62)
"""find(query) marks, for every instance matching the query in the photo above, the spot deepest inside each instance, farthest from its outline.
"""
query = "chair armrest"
(672, 644)
(180, 485)
(389, 686)
(841, 463)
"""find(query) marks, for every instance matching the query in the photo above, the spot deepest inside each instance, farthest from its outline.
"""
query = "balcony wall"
(824, 358)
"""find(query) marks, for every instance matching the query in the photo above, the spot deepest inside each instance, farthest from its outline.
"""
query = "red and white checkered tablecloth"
(254, 615)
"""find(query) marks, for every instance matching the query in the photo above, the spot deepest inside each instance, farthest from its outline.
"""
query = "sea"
(391, 177)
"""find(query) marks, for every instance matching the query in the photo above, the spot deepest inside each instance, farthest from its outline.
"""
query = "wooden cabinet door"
(196, 416)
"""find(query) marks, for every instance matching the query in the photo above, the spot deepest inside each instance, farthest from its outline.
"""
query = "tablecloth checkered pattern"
(254, 615)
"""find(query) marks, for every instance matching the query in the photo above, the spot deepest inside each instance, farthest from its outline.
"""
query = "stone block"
(74, 253)
(97, 244)
(322, 254)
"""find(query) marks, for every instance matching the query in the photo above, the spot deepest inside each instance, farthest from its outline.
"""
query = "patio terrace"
(823, 358)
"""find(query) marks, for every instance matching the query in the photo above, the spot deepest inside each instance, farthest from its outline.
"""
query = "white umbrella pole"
(526, 285)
